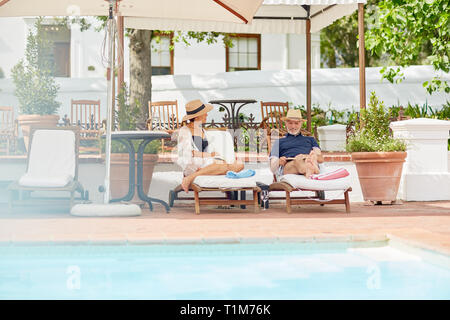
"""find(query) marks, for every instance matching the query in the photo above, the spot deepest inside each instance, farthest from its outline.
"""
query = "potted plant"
(377, 155)
(36, 88)
(126, 118)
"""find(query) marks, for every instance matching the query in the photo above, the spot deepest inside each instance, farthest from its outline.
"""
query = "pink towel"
(335, 174)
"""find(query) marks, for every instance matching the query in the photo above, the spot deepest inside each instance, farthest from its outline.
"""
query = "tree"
(140, 70)
(36, 88)
(405, 29)
(339, 41)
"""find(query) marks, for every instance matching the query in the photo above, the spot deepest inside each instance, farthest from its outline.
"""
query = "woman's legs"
(217, 168)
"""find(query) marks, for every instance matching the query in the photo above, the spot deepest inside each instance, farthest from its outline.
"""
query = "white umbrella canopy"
(273, 16)
(232, 11)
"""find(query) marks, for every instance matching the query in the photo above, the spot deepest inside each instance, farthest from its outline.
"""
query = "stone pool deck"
(422, 224)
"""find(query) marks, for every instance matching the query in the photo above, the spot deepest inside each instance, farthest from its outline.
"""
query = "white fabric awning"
(236, 11)
(273, 16)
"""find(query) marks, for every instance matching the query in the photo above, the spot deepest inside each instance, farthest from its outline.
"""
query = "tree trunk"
(140, 71)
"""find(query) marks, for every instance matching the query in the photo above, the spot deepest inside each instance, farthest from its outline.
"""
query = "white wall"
(13, 34)
(86, 46)
(273, 52)
(338, 87)
(297, 51)
(199, 58)
(199, 73)
(278, 51)
(86, 50)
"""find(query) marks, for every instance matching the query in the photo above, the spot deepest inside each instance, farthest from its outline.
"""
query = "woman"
(194, 151)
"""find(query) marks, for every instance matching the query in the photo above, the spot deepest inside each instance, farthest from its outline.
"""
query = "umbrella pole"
(109, 102)
(362, 58)
(107, 209)
(308, 74)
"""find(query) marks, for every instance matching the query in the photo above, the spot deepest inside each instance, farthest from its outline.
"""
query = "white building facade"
(84, 50)
(274, 64)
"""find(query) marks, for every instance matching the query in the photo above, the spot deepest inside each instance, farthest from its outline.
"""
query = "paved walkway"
(424, 224)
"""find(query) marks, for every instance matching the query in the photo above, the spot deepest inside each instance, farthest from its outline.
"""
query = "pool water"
(220, 271)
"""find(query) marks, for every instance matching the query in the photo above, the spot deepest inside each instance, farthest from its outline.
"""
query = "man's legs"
(302, 164)
(312, 167)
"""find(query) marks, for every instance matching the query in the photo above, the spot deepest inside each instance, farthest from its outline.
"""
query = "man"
(295, 153)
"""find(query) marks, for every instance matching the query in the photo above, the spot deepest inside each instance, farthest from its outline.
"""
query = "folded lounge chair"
(294, 182)
(52, 165)
(221, 142)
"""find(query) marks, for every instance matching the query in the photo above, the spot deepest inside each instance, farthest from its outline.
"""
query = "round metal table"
(126, 138)
(232, 110)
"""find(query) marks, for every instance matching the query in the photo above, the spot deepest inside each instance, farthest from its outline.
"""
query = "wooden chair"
(8, 129)
(163, 115)
(271, 114)
(85, 114)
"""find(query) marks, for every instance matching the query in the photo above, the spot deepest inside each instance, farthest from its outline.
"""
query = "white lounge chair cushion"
(52, 159)
(29, 181)
(299, 181)
(261, 175)
(221, 142)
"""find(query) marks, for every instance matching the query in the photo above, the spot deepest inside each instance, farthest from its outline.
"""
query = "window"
(245, 53)
(59, 51)
(161, 55)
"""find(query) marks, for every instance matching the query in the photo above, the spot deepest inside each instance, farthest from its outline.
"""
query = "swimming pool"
(221, 271)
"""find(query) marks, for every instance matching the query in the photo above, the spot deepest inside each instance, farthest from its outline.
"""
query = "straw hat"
(196, 108)
(293, 114)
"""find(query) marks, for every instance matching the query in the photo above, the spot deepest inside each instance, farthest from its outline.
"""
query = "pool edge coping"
(404, 243)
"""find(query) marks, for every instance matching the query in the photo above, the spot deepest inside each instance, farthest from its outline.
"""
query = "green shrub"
(126, 118)
(375, 134)
(422, 111)
(36, 88)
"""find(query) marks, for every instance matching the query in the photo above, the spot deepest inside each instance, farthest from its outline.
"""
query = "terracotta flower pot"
(379, 174)
(119, 175)
(27, 121)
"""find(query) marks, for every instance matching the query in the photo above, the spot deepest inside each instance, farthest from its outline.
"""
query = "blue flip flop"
(241, 174)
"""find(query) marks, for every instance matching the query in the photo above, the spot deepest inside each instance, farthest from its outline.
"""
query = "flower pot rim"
(377, 152)
(387, 155)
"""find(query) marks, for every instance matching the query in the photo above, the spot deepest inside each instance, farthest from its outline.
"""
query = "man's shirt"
(289, 146)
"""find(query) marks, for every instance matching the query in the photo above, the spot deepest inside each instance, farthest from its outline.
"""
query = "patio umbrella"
(212, 10)
(273, 16)
(231, 11)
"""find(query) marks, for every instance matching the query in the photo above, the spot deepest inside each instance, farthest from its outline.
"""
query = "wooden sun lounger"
(320, 195)
(230, 197)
